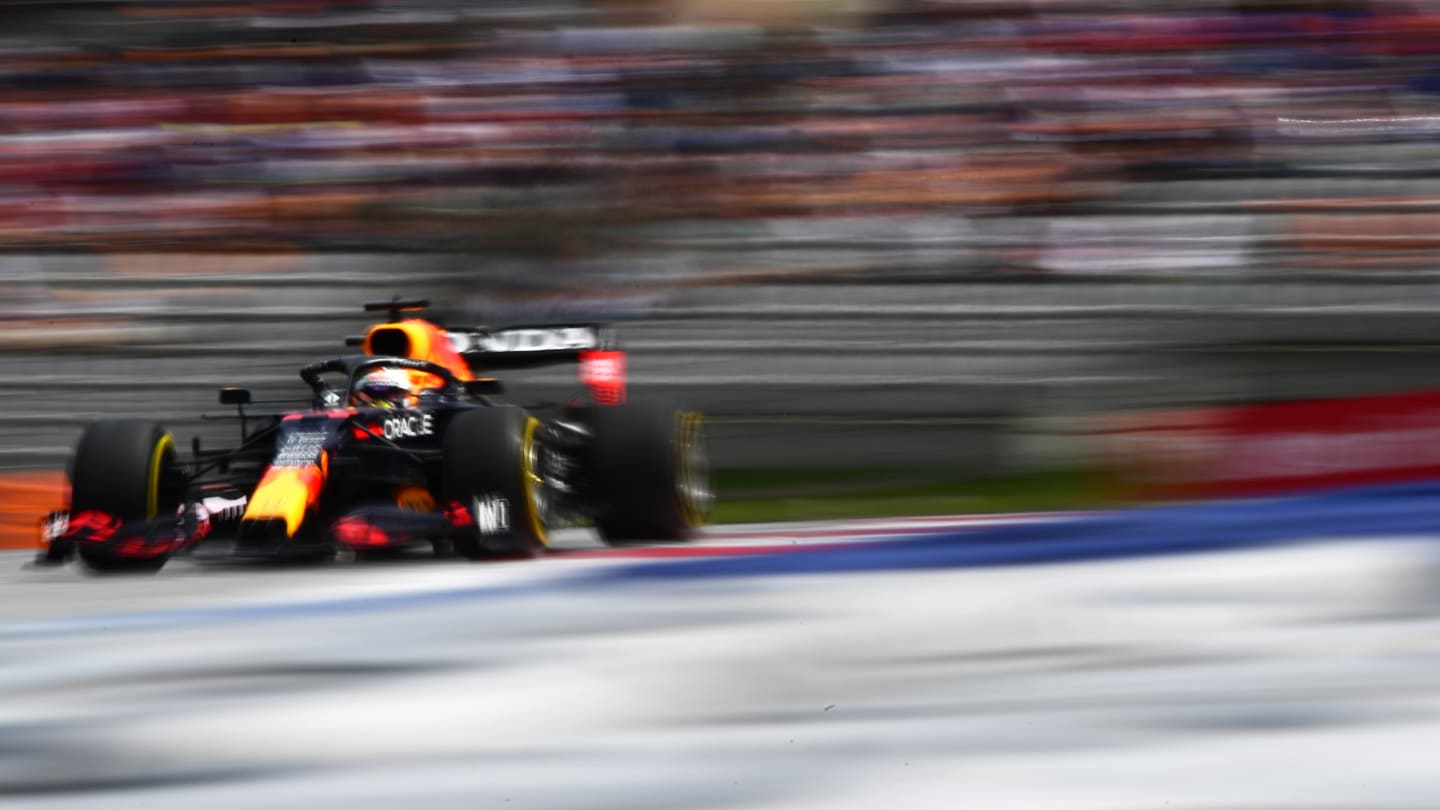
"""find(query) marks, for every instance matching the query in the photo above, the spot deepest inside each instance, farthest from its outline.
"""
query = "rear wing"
(593, 346)
(529, 346)
(476, 350)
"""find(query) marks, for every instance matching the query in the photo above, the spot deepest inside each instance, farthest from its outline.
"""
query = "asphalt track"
(1276, 654)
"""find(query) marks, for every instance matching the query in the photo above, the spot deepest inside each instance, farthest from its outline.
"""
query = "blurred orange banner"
(25, 498)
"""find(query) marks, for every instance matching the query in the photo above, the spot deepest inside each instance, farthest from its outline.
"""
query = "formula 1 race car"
(402, 446)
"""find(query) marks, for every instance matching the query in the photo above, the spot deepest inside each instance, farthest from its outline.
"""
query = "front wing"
(365, 528)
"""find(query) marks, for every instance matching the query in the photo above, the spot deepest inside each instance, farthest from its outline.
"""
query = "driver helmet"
(388, 388)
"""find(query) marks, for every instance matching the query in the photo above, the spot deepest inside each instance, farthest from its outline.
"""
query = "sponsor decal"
(492, 514)
(300, 449)
(408, 426)
(330, 398)
(536, 339)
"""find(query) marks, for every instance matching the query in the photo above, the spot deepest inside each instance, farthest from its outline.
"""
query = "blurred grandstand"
(921, 209)
(914, 136)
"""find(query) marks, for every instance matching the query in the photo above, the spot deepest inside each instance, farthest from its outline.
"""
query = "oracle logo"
(408, 426)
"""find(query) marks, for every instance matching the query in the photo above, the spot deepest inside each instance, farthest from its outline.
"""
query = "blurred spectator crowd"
(734, 138)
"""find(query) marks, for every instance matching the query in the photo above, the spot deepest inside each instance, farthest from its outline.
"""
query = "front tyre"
(650, 468)
(492, 469)
(124, 468)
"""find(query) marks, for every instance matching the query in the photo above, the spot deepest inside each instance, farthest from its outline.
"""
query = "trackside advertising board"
(1277, 448)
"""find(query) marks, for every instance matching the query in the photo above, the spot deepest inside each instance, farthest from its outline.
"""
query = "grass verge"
(746, 496)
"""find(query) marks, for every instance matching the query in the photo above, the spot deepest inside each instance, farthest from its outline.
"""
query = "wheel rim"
(696, 492)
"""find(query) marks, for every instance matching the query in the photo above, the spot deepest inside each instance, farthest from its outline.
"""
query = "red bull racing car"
(403, 445)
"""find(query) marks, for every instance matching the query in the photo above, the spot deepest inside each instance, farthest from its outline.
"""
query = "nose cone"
(283, 497)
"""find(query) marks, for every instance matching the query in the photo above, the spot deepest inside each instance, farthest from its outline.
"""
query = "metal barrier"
(792, 373)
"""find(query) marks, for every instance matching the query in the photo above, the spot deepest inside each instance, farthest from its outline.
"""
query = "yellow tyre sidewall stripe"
(529, 480)
(152, 485)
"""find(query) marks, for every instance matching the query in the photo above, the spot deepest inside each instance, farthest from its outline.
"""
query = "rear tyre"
(125, 468)
(650, 468)
(492, 466)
